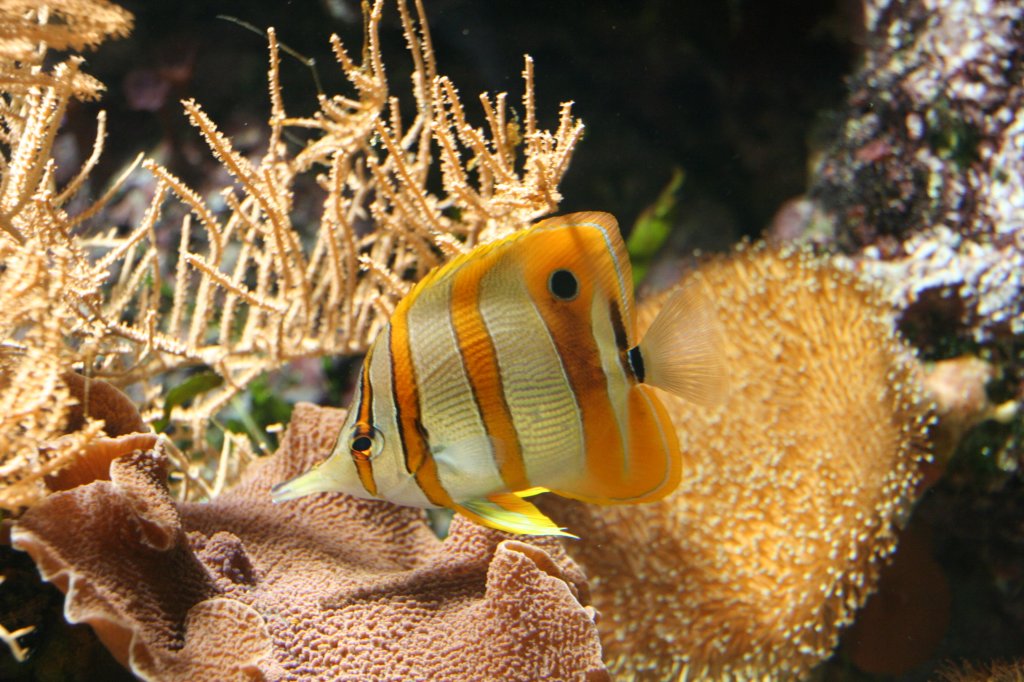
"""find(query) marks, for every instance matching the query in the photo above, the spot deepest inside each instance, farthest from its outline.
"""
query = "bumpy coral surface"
(324, 587)
(926, 177)
(791, 492)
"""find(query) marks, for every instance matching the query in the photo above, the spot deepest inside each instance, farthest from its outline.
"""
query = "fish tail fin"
(682, 350)
(511, 513)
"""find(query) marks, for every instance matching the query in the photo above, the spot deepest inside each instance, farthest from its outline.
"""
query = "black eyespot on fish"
(362, 444)
(563, 285)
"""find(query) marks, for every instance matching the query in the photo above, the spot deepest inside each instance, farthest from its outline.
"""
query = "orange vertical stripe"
(481, 361)
(653, 444)
(571, 328)
(365, 417)
(644, 465)
(418, 460)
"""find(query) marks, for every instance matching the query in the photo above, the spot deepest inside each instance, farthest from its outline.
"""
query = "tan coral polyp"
(791, 489)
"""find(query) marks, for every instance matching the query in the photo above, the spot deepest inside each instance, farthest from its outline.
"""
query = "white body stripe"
(537, 390)
(618, 385)
(448, 411)
(394, 482)
(625, 297)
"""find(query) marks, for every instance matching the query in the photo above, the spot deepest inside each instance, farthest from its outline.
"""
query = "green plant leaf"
(652, 228)
(195, 385)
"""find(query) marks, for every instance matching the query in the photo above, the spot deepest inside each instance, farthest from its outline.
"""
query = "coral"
(10, 638)
(325, 586)
(100, 400)
(60, 24)
(250, 285)
(999, 671)
(984, 276)
(926, 177)
(791, 493)
(957, 386)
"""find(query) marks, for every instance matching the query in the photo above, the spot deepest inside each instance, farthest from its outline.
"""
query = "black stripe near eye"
(563, 285)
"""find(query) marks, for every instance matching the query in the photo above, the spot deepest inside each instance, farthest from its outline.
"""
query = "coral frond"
(251, 289)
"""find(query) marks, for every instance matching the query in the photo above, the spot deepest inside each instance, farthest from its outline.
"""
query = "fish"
(514, 370)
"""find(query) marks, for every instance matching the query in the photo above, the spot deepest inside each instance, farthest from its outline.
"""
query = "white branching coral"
(59, 24)
(10, 638)
(248, 289)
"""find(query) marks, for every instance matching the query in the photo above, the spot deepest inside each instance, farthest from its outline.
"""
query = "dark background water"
(734, 93)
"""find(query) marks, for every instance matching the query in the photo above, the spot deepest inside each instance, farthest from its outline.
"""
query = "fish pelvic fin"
(530, 492)
(510, 513)
(682, 352)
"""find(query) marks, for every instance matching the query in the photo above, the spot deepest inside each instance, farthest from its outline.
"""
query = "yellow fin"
(682, 350)
(530, 492)
(507, 512)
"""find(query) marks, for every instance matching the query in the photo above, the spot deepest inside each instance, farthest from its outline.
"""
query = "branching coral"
(792, 490)
(249, 289)
(328, 587)
(59, 24)
(45, 273)
(999, 671)
(10, 639)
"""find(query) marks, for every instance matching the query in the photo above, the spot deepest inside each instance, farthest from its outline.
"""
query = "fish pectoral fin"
(508, 512)
(468, 456)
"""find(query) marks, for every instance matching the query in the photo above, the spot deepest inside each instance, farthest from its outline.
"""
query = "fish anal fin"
(648, 471)
(510, 513)
(683, 352)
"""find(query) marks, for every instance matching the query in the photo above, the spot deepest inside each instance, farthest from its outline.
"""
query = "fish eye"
(367, 441)
(563, 285)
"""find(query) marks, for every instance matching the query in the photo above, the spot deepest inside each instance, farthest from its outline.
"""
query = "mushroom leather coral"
(791, 491)
(328, 587)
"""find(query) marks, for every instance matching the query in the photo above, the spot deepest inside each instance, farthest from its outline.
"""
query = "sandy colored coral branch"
(248, 287)
(10, 638)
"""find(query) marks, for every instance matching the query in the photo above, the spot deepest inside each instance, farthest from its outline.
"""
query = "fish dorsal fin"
(508, 512)
(448, 269)
(605, 222)
(611, 267)
(683, 349)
